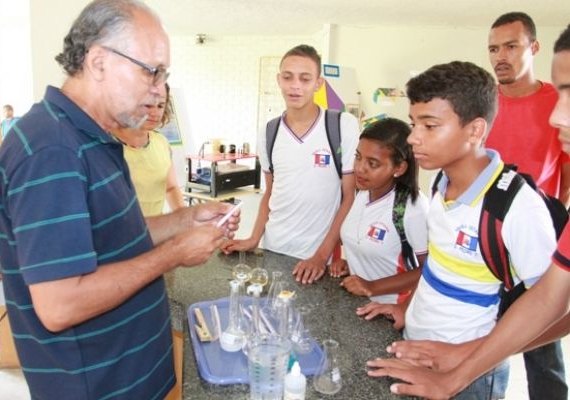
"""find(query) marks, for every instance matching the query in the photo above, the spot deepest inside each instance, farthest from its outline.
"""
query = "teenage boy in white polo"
(305, 202)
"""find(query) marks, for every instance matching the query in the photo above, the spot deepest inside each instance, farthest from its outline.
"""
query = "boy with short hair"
(547, 301)
(452, 109)
(305, 202)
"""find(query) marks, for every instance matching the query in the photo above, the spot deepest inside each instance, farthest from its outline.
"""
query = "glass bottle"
(233, 338)
(327, 379)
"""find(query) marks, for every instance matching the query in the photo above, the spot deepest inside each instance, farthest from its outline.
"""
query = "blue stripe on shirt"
(107, 329)
(106, 363)
(457, 293)
(114, 253)
(47, 179)
(120, 214)
(141, 379)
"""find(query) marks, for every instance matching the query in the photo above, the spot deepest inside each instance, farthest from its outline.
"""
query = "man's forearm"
(525, 320)
(163, 227)
(64, 303)
(555, 332)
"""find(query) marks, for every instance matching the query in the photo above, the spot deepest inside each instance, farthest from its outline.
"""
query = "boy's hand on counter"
(338, 268)
(356, 285)
(417, 381)
(310, 270)
(393, 312)
(433, 354)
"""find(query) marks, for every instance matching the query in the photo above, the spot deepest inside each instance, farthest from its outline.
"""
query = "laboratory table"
(333, 316)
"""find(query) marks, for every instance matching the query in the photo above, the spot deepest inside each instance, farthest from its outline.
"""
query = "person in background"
(386, 176)
(521, 132)
(452, 107)
(304, 202)
(8, 121)
(540, 315)
(82, 268)
(522, 135)
(149, 158)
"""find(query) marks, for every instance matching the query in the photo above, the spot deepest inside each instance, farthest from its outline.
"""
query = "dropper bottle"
(295, 384)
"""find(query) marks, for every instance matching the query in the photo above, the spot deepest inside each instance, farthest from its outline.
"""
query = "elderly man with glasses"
(82, 268)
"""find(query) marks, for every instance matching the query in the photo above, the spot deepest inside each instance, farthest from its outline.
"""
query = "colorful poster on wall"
(326, 97)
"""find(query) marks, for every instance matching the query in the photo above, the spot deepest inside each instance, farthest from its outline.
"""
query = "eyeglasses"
(159, 74)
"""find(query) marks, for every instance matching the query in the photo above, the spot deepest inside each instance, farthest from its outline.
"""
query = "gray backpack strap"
(270, 135)
(332, 126)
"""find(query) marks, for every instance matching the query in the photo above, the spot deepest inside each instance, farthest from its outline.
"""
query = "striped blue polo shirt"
(67, 207)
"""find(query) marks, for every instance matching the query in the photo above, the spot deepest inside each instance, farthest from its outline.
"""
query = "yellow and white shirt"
(457, 296)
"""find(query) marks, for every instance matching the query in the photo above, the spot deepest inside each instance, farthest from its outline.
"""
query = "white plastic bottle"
(295, 384)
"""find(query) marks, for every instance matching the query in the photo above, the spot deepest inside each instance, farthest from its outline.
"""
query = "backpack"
(496, 204)
(398, 211)
(332, 127)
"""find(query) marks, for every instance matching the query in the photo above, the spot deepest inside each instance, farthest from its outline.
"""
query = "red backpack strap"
(496, 204)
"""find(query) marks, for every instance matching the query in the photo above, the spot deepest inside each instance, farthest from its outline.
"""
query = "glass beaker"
(327, 379)
(233, 337)
(268, 357)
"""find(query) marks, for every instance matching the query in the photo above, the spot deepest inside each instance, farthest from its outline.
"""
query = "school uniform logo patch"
(377, 233)
(322, 158)
(466, 241)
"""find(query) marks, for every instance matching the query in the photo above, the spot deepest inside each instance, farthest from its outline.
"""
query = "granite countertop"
(333, 317)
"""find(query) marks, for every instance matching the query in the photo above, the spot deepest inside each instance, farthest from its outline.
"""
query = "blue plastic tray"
(224, 368)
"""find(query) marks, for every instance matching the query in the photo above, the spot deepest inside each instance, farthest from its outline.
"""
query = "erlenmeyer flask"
(327, 380)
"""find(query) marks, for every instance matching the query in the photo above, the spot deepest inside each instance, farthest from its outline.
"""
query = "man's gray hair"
(99, 22)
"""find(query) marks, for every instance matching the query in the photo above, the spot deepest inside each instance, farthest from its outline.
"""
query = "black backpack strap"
(332, 127)
(270, 135)
(398, 211)
(436, 182)
(496, 204)
(556, 208)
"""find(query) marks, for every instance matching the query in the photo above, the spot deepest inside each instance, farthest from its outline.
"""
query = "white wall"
(15, 64)
(49, 21)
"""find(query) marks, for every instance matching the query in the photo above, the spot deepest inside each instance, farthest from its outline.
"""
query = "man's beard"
(131, 121)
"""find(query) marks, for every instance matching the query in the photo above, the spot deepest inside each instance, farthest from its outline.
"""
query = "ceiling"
(302, 17)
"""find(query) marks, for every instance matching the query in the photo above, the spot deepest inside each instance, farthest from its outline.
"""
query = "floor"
(13, 385)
